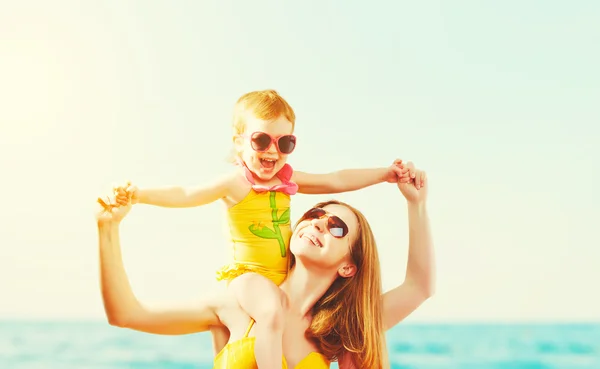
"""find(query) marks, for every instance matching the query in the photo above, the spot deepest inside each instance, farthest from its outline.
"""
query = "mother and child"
(296, 297)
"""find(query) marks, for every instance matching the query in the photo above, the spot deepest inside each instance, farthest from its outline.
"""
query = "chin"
(265, 177)
(295, 250)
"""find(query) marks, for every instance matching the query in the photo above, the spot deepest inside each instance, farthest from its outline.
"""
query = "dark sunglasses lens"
(315, 213)
(261, 141)
(287, 144)
(337, 227)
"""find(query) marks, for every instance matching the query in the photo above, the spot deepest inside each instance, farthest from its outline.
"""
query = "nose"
(319, 224)
(272, 149)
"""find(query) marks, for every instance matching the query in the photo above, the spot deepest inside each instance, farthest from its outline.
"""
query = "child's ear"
(238, 143)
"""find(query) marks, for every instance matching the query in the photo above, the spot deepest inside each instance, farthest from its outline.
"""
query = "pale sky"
(494, 99)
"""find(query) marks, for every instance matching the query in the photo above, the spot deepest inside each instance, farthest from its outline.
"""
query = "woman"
(332, 293)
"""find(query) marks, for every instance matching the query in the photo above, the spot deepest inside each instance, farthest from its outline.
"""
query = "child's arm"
(347, 179)
(183, 197)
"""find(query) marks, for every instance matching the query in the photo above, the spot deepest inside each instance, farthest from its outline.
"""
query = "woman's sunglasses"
(335, 225)
(261, 141)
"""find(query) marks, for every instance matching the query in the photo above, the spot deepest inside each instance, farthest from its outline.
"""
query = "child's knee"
(271, 316)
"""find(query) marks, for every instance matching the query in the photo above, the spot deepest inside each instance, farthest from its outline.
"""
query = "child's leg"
(262, 300)
(220, 337)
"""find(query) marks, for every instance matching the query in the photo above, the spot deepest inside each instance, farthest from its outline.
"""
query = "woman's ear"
(347, 270)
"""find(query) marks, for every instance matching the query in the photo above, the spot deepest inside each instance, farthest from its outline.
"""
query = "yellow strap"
(249, 328)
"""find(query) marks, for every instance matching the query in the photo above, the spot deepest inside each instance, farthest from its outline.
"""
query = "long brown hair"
(348, 317)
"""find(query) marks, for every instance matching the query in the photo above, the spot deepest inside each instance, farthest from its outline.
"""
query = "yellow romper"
(240, 355)
(260, 230)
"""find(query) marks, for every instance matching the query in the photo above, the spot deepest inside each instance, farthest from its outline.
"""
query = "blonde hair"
(349, 316)
(265, 105)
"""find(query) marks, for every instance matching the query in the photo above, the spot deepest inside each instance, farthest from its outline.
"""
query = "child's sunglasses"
(261, 141)
(335, 225)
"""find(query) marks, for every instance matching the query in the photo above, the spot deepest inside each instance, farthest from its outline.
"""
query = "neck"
(305, 287)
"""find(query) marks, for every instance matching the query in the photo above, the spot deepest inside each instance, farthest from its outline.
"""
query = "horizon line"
(496, 322)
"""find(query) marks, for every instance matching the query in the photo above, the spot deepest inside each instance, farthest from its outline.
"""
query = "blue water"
(61, 345)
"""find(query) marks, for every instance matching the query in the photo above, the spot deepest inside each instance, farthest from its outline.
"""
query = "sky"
(494, 100)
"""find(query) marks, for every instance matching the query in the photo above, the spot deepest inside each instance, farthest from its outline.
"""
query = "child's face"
(265, 164)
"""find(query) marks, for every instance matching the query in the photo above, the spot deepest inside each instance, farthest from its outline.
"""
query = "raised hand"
(397, 172)
(415, 191)
(109, 211)
(126, 193)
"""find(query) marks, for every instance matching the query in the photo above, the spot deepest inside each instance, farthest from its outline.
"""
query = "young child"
(257, 194)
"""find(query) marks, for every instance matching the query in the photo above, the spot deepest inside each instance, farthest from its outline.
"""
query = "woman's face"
(323, 238)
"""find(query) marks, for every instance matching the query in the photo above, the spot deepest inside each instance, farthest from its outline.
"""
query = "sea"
(96, 345)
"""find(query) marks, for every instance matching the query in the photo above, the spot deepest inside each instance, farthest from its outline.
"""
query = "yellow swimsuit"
(240, 355)
(260, 230)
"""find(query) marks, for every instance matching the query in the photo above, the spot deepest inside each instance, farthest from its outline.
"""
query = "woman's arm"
(419, 282)
(124, 310)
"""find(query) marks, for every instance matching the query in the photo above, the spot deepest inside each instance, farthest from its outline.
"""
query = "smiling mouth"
(268, 163)
(314, 240)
